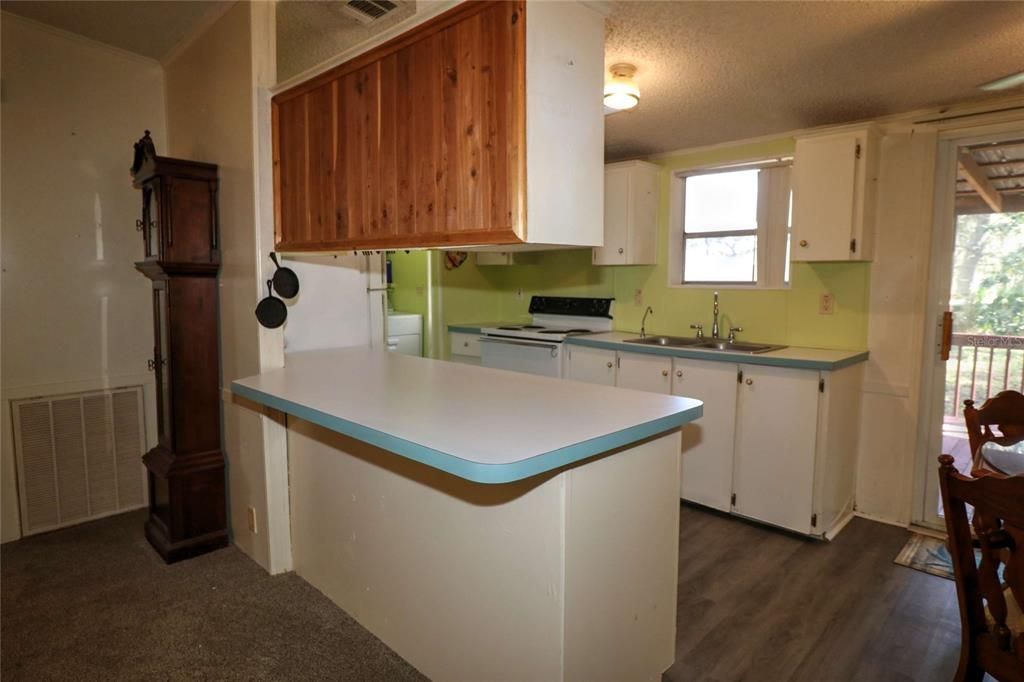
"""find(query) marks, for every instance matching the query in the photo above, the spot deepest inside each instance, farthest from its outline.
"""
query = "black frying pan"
(271, 311)
(286, 282)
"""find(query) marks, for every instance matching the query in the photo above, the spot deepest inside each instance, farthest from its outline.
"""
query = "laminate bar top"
(484, 425)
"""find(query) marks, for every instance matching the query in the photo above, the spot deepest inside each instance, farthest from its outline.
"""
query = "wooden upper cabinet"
(423, 141)
(417, 143)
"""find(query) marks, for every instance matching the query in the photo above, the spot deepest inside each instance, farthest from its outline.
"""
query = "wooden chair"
(1005, 411)
(990, 610)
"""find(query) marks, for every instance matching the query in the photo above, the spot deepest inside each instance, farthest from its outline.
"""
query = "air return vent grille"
(79, 457)
(368, 11)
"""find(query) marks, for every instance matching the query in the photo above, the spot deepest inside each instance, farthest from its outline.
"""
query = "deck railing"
(980, 366)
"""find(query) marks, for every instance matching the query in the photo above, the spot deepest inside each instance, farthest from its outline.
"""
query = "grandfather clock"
(187, 506)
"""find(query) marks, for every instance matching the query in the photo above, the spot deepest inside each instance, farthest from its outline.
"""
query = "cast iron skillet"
(271, 311)
(286, 282)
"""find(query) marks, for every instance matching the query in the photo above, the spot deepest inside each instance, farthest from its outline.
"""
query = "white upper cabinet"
(631, 202)
(834, 187)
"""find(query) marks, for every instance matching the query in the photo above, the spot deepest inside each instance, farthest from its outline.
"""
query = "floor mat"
(927, 554)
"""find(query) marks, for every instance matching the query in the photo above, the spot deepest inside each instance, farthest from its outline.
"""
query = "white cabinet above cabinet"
(835, 176)
(631, 199)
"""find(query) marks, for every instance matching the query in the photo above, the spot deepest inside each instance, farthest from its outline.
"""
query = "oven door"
(532, 357)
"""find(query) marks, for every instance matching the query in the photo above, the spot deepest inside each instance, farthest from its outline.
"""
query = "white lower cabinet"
(464, 348)
(591, 365)
(707, 464)
(774, 457)
(775, 444)
(645, 372)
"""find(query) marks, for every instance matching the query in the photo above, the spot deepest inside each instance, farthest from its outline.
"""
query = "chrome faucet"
(643, 322)
(714, 324)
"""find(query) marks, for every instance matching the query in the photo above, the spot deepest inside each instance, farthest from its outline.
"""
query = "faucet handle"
(700, 330)
(732, 333)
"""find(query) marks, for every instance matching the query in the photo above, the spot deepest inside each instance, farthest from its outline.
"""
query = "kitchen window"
(731, 226)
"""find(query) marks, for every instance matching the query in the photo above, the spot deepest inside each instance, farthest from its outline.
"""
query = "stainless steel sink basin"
(666, 341)
(738, 346)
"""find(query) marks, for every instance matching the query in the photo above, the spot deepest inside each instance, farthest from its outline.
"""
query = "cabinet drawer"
(465, 344)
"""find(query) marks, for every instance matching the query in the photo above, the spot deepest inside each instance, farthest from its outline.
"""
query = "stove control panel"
(569, 305)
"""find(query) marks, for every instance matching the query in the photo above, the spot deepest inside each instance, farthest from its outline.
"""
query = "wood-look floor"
(756, 604)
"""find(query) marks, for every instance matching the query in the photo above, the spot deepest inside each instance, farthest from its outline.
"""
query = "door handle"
(947, 335)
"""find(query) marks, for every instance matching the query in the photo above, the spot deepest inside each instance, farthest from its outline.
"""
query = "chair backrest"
(989, 642)
(1005, 411)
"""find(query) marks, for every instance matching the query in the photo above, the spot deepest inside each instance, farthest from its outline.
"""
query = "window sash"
(773, 196)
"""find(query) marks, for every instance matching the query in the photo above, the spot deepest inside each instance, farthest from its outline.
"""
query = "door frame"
(940, 274)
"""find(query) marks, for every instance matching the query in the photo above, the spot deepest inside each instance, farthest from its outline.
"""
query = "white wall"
(212, 86)
(76, 315)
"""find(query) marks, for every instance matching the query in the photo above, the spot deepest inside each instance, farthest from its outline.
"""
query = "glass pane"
(719, 202)
(721, 259)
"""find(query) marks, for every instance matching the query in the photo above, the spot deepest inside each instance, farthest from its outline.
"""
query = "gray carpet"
(95, 602)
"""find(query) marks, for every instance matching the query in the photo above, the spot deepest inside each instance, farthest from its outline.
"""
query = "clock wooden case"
(187, 501)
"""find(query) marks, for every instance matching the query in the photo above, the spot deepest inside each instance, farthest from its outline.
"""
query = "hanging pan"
(286, 282)
(271, 311)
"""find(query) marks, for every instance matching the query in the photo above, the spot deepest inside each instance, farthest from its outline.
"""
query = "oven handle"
(529, 344)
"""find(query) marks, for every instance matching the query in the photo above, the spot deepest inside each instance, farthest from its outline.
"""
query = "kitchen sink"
(738, 346)
(666, 341)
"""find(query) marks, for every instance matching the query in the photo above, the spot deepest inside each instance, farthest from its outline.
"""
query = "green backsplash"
(473, 293)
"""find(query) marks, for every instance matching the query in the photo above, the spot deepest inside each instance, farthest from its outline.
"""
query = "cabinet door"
(825, 192)
(188, 229)
(708, 442)
(419, 144)
(776, 429)
(616, 218)
(643, 372)
(591, 365)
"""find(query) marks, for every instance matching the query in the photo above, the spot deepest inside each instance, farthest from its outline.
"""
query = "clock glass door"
(161, 362)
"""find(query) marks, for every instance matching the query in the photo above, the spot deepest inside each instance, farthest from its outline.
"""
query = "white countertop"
(486, 425)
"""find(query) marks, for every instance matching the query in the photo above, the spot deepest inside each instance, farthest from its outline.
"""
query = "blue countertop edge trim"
(715, 356)
(719, 356)
(475, 471)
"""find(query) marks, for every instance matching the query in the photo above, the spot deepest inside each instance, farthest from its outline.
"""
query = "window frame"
(772, 229)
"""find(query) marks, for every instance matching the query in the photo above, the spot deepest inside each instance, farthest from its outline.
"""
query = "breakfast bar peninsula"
(485, 524)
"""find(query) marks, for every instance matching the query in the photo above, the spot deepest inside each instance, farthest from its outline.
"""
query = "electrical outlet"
(638, 297)
(252, 520)
(826, 304)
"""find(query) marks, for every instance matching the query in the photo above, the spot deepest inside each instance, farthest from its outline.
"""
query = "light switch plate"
(638, 297)
(826, 304)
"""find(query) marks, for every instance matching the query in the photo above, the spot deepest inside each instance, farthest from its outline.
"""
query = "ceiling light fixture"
(621, 91)
(1004, 83)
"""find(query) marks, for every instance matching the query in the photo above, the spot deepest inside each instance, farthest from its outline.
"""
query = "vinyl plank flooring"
(760, 604)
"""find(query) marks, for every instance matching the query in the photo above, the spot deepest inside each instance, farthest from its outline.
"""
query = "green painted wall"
(409, 281)
(475, 293)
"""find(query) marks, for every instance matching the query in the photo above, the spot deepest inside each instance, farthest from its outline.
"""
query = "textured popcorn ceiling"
(708, 71)
(148, 28)
(717, 71)
(311, 32)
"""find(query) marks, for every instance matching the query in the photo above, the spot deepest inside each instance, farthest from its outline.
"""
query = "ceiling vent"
(368, 11)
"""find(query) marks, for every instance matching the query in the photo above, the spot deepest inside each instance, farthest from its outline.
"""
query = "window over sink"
(731, 226)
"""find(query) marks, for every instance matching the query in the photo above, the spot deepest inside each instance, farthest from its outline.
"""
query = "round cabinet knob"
(750, 382)
(664, 372)
(610, 365)
(622, 251)
(465, 344)
(679, 373)
(803, 242)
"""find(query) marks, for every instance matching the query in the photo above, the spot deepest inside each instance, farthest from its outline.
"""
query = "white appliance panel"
(522, 356)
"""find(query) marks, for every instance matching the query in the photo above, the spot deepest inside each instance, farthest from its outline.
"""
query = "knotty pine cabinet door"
(419, 142)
